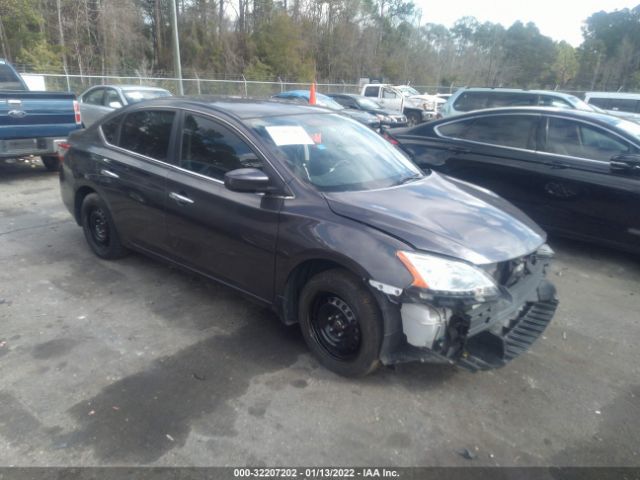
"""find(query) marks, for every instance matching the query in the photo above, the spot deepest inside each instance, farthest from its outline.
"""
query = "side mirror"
(625, 163)
(115, 104)
(247, 180)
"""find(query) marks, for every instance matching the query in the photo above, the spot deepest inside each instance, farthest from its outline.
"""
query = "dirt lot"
(134, 362)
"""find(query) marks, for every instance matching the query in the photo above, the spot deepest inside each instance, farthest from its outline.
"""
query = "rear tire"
(99, 229)
(51, 163)
(341, 323)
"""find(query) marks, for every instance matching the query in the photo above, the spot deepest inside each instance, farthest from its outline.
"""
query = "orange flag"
(312, 94)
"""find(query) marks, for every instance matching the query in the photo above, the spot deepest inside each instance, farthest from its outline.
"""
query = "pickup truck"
(34, 123)
(417, 107)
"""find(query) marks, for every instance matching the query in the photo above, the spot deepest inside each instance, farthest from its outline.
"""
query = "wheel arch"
(301, 272)
(79, 197)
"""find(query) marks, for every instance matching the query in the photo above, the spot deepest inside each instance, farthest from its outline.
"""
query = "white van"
(625, 105)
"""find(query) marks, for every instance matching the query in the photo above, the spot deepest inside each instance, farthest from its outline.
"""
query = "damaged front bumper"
(478, 333)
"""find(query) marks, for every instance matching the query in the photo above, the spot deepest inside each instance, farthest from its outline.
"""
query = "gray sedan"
(100, 100)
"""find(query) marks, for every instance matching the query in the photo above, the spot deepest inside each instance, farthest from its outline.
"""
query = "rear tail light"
(76, 111)
(390, 139)
(61, 149)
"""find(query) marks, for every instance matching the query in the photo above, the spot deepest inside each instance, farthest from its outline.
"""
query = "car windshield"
(328, 103)
(334, 153)
(579, 104)
(368, 104)
(629, 127)
(407, 91)
(135, 96)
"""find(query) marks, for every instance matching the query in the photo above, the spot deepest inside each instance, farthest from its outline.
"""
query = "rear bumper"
(29, 146)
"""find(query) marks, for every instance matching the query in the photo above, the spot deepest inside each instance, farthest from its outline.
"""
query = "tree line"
(302, 40)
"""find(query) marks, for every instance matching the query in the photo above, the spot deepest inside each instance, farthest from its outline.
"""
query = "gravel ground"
(134, 362)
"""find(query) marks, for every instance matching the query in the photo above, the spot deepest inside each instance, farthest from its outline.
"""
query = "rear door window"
(623, 105)
(600, 102)
(148, 133)
(515, 131)
(511, 99)
(577, 139)
(110, 129)
(94, 97)
(211, 149)
(371, 91)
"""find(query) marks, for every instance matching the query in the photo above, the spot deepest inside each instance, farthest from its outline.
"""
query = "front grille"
(488, 350)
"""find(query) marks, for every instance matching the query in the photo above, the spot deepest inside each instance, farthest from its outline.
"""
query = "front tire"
(99, 229)
(51, 163)
(413, 119)
(341, 323)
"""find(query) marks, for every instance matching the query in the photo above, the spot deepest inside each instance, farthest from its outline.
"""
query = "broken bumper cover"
(477, 335)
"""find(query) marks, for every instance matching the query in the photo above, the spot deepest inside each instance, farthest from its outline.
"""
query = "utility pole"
(176, 46)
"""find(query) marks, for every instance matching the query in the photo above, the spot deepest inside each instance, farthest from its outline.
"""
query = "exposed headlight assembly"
(444, 276)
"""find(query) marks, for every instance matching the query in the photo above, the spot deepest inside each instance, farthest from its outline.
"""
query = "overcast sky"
(558, 19)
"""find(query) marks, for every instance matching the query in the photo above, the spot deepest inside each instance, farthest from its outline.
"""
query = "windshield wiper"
(410, 178)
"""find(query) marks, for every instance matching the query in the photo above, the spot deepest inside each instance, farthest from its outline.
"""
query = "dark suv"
(320, 218)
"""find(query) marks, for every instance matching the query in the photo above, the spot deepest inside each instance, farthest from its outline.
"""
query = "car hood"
(446, 216)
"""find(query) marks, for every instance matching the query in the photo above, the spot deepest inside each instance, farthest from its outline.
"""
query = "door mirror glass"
(115, 104)
(247, 180)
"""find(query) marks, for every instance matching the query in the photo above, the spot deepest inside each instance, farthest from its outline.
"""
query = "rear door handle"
(459, 149)
(109, 173)
(181, 199)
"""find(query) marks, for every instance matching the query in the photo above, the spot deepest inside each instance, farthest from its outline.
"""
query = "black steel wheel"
(341, 322)
(335, 326)
(99, 229)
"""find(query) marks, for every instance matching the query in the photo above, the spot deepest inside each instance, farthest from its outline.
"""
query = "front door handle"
(109, 173)
(181, 199)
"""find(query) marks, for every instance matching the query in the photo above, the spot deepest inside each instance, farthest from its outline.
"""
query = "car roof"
(514, 90)
(299, 94)
(137, 87)
(630, 96)
(598, 117)
(126, 87)
(351, 95)
(240, 108)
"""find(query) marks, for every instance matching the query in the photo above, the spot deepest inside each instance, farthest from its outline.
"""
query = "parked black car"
(388, 118)
(320, 218)
(302, 97)
(574, 172)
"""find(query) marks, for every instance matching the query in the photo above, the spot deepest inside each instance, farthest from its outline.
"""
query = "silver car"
(100, 100)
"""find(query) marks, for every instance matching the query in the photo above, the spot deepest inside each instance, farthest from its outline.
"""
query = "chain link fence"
(206, 86)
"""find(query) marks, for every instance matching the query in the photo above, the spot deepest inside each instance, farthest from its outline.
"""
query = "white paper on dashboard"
(289, 135)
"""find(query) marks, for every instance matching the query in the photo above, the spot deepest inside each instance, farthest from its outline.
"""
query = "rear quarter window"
(511, 99)
(110, 130)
